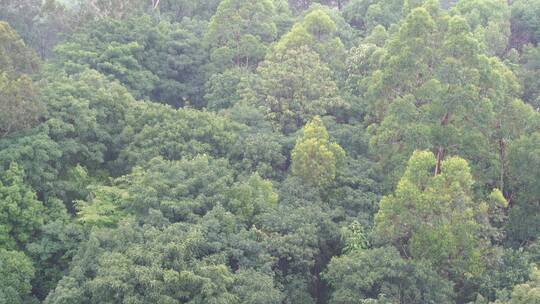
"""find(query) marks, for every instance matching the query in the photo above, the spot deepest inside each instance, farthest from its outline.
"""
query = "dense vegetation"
(269, 151)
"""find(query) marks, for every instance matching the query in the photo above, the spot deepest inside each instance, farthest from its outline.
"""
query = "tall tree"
(318, 32)
(435, 89)
(490, 22)
(314, 159)
(15, 57)
(434, 219)
(293, 87)
(240, 31)
(20, 107)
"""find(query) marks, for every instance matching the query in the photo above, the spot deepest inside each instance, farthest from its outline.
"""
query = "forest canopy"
(269, 151)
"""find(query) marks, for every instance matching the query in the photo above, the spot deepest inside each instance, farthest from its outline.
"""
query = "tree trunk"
(440, 156)
(502, 159)
(441, 150)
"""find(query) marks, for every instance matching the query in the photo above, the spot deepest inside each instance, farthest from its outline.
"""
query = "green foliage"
(524, 218)
(223, 89)
(158, 60)
(382, 274)
(16, 271)
(528, 72)
(258, 149)
(179, 151)
(99, 106)
(256, 288)
(41, 23)
(15, 57)
(155, 130)
(365, 15)
(103, 208)
(36, 153)
(524, 23)
(239, 32)
(179, 9)
(299, 5)
(177, 264)
(314, 159)
(20, 107)
(293, 88)
(318, 33)
(528, 292)
(509, 267)
(251, 198)
(117, 9)
(301, 236)
(181, 190)
(490, 22)
(433, 88)
(354, 238)
(433, 218)
(52, 251)
(21, 212)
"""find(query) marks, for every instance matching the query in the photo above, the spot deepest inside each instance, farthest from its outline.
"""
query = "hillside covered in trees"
(269, 151)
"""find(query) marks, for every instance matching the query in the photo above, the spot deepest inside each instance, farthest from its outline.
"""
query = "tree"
(41, 23)
(510, 267)
(433, 218)
(162, 61)
(16, 272)
(240, 31)
(20, 107)
(300, 5)
(527, 69)
(37, 154)
(489, 21)
(52, 251)
(434, 89)
(15, 57)
(524, 23)
(22, 214)
(259, 148)
(293, 88)
(103, 209)
(223, 90)
(314, 159)
(179, 9)
(364, 15)
(170, 263)
(301, 236)
(526, 293)
(253, 287)
(250, 198)
(156, 130)
(318, 33)
(20, 15)
(181, 190)
(180, 277)
(86, 114)
(117, 9)
(381, 273)
(524, 218)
